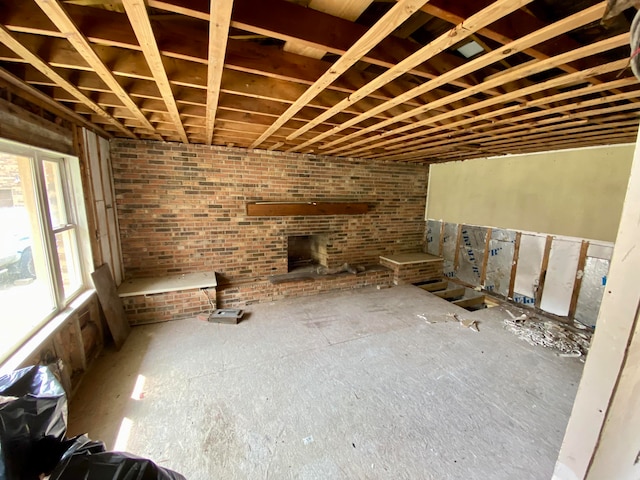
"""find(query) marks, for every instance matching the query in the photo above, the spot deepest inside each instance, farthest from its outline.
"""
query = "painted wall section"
(576, 192)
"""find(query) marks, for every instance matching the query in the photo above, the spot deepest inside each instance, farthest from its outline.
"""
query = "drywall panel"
(594, 279)
(576, 192)
(471, 254)
(560, 277)
(500, 261)
(433, 237)
(529, 264)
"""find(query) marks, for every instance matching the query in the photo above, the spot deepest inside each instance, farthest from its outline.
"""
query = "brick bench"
(158, 299)
(413, 267)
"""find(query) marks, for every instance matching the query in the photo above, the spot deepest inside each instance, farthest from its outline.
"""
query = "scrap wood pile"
(570, 340)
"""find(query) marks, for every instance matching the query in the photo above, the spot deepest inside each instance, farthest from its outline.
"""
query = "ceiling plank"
(7, 38)
(562, 26)
(496, 10)
(219, 20)
(346, 9)
(137, 13)
(383, 27)
(68, 28)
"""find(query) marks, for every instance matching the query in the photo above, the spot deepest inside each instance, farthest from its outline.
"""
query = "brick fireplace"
(183, 209)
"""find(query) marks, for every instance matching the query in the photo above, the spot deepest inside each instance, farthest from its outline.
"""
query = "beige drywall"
(576, 192)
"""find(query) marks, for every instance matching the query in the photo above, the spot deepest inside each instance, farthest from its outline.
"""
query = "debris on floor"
(570, 340)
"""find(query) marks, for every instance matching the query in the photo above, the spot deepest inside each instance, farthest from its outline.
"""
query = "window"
(43, 263)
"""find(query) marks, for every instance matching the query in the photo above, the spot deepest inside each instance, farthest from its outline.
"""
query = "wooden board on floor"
(451, 293)
(435, 286)
(469, 302)
(111, 304)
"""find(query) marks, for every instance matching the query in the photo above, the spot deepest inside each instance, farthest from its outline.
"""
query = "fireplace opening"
(306, 252)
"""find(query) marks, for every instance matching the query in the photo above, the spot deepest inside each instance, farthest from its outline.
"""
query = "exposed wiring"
(635, 45)
(211, 302)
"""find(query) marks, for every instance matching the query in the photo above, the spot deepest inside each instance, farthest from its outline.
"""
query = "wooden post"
(514, 264)
(485, 258)
(582, 260)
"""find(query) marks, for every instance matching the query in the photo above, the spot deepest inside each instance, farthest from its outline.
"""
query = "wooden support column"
(514, 264)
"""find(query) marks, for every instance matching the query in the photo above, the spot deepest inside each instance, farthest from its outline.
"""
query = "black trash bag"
(33, 423)
(85, 461)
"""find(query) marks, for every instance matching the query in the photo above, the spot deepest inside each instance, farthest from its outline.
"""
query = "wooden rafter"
(601, 46)
(496, 10)
(219, 20)
(68, 28)
(563, 81)
(387, 24)
(581, 18)
(137, 13)
(7, 38)
(36, 96)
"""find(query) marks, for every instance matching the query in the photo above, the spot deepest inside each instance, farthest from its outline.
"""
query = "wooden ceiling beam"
(68, 28)
(137, 13)
(597, 47)
(489, 118)
(219, 20)
(271, 18)
(382, 28)
(7, 39)
(241, 56)
(544, 34)
(35, 96)
(496, 10)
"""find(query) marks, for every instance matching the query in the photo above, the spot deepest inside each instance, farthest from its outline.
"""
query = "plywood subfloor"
(348, 385)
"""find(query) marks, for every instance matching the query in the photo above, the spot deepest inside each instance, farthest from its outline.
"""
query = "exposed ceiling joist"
(496, 10)
(562, 26)
(67, 27)
(219, 20)
(7, 39)
(387, 24)
(137, 13)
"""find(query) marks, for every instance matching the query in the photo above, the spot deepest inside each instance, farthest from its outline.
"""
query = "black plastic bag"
(33, 423)
(87, 460)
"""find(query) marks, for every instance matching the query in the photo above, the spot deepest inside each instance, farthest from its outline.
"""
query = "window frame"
(76, 220)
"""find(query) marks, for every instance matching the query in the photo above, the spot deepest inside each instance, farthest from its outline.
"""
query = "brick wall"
(182, 208)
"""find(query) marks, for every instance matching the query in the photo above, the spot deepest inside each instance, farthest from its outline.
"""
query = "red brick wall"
(182, 208)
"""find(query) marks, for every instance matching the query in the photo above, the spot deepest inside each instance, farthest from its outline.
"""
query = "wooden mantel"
(275, 209)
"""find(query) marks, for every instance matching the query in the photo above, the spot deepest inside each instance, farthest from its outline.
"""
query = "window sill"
(39, 338)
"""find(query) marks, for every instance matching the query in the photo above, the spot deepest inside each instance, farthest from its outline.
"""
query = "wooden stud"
(582, 260)
(441, 243)
(543, 269)
(514, 264)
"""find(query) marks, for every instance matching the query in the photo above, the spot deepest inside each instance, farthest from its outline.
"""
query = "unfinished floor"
(348, 385)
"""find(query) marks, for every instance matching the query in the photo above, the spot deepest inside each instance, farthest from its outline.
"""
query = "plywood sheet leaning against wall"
(564, 276)
(111, 305)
